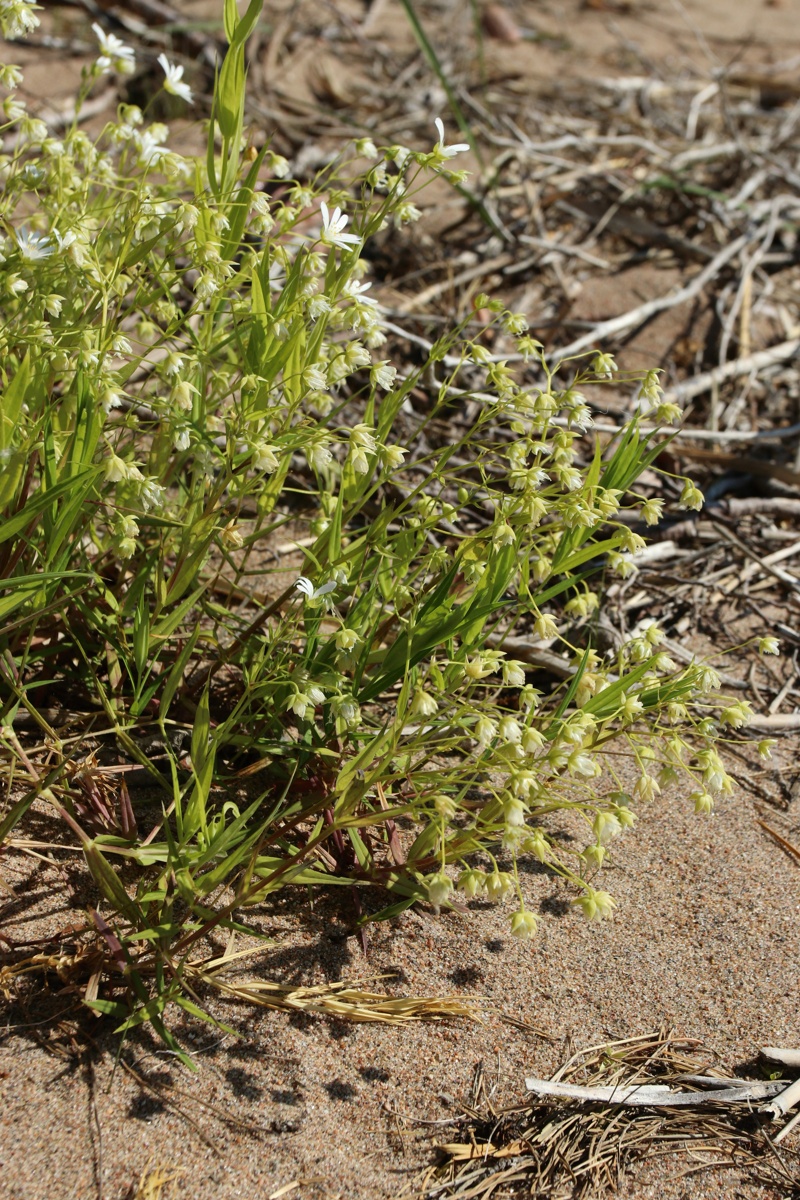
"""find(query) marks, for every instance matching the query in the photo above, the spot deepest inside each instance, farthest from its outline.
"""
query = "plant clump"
(193, 365)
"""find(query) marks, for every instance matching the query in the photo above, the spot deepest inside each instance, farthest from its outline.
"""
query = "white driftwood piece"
(788, 1058)
(656, 1094)
(785, 1100)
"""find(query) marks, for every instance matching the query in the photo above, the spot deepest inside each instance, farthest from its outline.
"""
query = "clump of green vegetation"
(191, 365)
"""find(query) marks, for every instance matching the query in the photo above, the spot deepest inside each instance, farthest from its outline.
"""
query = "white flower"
(443, 151)
(33, 246)
(333, 226)
(523, 925)
(305, 586)
(172, 82)
(115, 55)
(17, 18)
(299, 704)
(363, 436)
(383, 375)
(10, 77)
(206, 286)
(182, 395)
(393, 457)
(229, 535)
(173, 363)
(355, 290)
(423, 704)
(510, 730)
(151, 152)
(116, 470)
(439, 889)
(513, 673)
(347, 710)
(319, 456)
(264, 458)
(110, 399)
(151, 494)
(485, 731)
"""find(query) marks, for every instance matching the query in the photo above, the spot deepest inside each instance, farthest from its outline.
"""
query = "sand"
(706, 939)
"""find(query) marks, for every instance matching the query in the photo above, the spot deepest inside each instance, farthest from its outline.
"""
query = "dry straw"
(559, 1148)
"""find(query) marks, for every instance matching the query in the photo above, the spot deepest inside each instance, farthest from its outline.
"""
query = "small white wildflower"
(392, 457)
(17, 18)
(605, 827)
(769, 645)
(595, 904)
(116, 470)
(264, 458)
(347, 710)
(206, 286)
(110, 399)
(439, 889)
(305, 586)
(151, 494)
(115, 55)
(703, 803)
(182, 393)
(333, 227)
(355, 290)
(383, 375)
(346, 639)
(173, 363)
(230, 537)
(364, 437)
(523, 925)
(173, 80)
(510, 730)
(737, 715)
(319, 306)
(13, 109)
(151, 151)
(34, 246)
(319, 456)
(498, 885)
(691, 496)
(513, 673)
(652, 511)
(603, 365)
(485, 731)
(423, 704)
(299, 704)
(471, 882)
(10, 77)
(441, 150)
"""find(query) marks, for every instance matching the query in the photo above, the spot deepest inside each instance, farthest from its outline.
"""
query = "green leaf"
(11, 401)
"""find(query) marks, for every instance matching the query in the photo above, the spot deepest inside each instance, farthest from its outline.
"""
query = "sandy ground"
(706, 939)
(706, 936)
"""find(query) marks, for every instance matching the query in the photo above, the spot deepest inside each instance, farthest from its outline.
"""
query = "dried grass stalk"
(338, 999)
